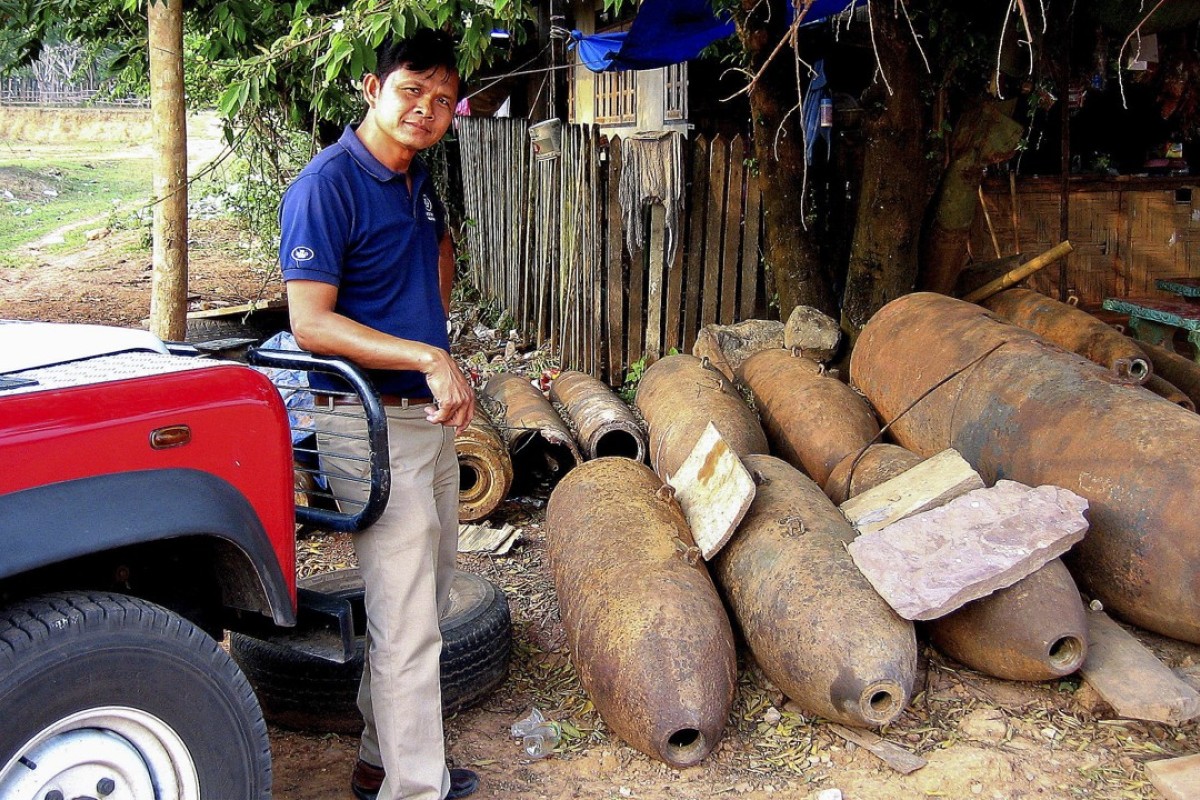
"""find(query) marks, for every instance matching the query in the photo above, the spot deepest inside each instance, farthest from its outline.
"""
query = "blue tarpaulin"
(667, 32)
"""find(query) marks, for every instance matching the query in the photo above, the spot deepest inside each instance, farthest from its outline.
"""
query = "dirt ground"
(981, 737)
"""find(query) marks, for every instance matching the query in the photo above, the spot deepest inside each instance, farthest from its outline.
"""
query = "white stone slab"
(931, 563)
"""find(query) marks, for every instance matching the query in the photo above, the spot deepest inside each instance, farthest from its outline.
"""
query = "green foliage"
(633, 377)
(298, 62)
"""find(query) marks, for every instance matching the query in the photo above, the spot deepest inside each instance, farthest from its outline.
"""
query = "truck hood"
(30, 345)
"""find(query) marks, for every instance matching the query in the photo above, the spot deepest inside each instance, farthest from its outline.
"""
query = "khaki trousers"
(407, 563)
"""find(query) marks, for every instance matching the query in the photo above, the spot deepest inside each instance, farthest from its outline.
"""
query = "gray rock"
(814, 333)
(931, 563)
(727, 346)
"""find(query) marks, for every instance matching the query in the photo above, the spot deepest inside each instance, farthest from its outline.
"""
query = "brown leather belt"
(390, 400)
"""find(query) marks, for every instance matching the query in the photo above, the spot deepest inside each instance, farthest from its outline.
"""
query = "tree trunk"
(983, 135)
(168, 294)
(790, 248)
(895, 178)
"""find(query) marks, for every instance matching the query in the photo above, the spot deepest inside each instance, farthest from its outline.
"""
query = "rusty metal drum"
(484, 466)
(1034, 630)
(867, 468)
(812, 420)
(1073, 329)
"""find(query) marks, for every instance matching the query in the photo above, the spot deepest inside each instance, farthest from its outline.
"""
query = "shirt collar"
(372, 165)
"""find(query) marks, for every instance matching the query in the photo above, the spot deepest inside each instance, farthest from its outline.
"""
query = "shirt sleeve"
(314, 223)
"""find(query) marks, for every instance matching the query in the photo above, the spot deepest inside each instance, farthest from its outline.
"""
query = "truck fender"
(57, 522)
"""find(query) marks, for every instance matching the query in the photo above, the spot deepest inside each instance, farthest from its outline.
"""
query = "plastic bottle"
(539, 736)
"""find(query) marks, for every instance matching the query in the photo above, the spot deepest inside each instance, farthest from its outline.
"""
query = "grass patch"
(37, 200)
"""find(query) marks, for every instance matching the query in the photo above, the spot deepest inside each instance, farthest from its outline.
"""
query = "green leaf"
(423, 17)
(233, 98)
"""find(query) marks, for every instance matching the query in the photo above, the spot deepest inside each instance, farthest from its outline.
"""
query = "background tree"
(940, 88)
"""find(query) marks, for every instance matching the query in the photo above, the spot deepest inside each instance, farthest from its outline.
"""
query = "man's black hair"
(426, 49)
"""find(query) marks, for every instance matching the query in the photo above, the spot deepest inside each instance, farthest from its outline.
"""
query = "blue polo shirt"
(350, 221)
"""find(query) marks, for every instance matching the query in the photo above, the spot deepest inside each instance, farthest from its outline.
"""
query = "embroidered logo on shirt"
(302, 253)
(429, 209)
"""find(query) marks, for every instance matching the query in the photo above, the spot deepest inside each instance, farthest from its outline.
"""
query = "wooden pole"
(1015, 276)
(168, 294)
(1064, 203)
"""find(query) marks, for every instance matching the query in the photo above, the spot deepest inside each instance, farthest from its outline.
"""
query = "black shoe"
(462, 783)
(367, 779)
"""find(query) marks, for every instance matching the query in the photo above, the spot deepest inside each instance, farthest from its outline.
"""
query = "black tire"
(302, 692)
(258, 326)
(98, 682)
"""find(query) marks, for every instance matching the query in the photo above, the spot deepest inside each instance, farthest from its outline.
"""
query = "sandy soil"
(981, 737)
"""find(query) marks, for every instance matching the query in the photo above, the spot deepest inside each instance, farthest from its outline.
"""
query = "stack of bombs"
(517, 430)
(651, 625)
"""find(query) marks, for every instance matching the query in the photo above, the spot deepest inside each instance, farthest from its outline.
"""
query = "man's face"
(413, 108)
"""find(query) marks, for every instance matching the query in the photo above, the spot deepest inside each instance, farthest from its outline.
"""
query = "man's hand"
(453, 394)
(319, 328)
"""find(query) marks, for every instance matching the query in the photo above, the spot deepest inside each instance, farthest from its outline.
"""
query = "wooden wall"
(1126, 232)
(548, 242)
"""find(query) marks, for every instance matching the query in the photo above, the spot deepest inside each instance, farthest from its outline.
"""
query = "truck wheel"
(105, 694)
(307, 693)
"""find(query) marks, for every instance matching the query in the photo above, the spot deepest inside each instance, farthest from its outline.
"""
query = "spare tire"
(300, 691)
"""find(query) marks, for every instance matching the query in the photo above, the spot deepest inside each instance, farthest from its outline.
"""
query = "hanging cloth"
(651, 171)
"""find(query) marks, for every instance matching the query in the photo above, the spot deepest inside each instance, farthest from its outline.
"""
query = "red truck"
(147, 505)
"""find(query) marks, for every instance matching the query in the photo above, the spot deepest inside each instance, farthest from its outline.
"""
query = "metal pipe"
(536, 435)
(604, 425)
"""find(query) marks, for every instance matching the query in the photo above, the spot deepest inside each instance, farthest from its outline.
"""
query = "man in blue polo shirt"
(369, 262)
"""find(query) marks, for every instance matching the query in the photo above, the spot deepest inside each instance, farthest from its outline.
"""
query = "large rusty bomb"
(949, 374)
(648, 634)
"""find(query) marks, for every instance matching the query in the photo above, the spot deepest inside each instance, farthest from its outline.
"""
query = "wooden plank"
(1176, 778)
(671, 336)
(697, 207)
(243, 308)
(595, 272)
(714, 489)
(750, 251)
(892, 754)
(718, 157)
(734, 206)
(614, 325)
(655, 288)
(1131, 679)
(635, 345)
(933, 482)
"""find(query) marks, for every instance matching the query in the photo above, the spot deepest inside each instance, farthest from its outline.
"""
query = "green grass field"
(43, 193)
